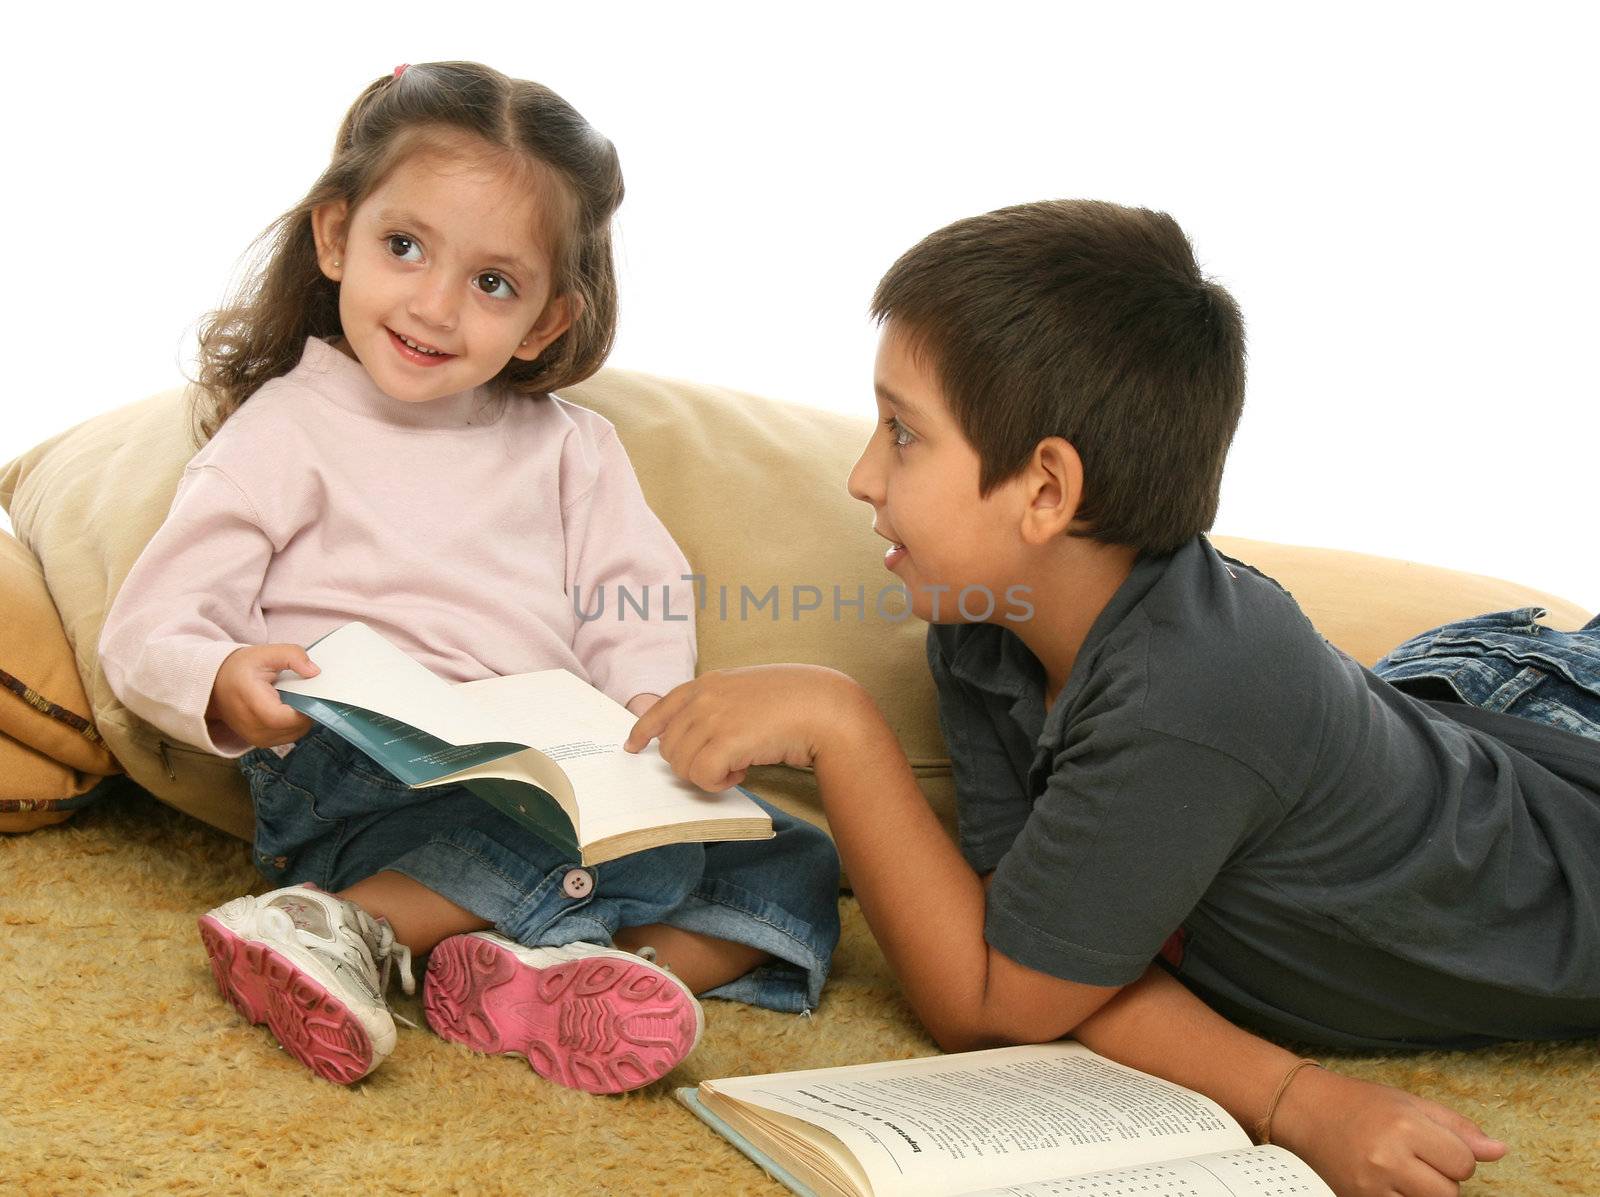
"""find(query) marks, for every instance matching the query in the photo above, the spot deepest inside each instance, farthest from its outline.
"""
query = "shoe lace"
(648, 954)
(387, 953)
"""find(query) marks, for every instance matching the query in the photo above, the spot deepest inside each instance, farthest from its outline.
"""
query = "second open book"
(1052, 1120)
(545, 748)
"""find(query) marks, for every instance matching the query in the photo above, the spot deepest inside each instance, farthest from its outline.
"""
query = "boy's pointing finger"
(654, 721)
(642, 732)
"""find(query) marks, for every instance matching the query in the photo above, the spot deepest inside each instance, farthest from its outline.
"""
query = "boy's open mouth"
(894, 552)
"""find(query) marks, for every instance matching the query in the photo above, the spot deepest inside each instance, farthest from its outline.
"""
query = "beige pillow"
(1368, 605)
(85, 502)
(754, 492)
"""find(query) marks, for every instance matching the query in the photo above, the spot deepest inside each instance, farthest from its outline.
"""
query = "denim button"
(577, 883)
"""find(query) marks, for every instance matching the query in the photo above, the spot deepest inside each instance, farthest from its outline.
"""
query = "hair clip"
(401, 69)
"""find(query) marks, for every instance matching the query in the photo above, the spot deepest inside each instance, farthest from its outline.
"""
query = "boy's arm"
(925, 905)
(1359, 1137)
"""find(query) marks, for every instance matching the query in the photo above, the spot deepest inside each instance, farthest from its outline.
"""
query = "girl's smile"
(416, 353)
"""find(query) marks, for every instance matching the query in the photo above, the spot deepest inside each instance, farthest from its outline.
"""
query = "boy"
(1155, 754)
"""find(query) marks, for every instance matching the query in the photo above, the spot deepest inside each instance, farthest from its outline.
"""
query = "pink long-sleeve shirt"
(469, 530)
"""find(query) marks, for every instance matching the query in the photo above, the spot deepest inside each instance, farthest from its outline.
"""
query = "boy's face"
(920, 474)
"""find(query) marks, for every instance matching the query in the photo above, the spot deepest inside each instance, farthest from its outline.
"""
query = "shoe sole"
(599, 1024)
(314, 1027)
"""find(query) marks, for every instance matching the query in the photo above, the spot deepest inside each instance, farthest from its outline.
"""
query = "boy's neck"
(1068, 591)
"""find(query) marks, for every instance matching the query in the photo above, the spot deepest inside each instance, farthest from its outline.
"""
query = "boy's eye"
(404, 247)
(899, 433)
(497, 285)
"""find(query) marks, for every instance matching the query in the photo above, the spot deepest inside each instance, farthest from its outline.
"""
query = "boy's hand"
(243, 696)
(1368, 1139)
(723, 723)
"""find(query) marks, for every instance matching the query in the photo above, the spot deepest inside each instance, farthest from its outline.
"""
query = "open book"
(545, 748)
(1045, 1121)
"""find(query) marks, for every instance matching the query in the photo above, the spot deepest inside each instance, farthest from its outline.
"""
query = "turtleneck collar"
(350, 387)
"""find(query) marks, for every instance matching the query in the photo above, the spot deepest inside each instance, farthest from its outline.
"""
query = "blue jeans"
(1506, 662)
(327, 814)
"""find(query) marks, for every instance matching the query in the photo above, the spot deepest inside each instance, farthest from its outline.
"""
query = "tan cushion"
(39, 791)
(1368, 605)
(50, 752)
(754, 492)
(35, 789)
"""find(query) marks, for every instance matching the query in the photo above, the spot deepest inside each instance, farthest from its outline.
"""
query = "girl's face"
(444, 272)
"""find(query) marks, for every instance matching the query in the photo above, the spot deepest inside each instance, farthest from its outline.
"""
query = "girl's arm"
(190, 601)
(625, 576)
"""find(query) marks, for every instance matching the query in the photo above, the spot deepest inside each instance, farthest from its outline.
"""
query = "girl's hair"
(261, 332)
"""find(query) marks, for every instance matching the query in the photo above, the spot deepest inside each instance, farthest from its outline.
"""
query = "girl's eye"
(899, 433)
(497, 285)
(404, 247)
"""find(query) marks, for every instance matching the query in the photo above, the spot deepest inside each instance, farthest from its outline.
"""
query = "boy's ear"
(328, 230)
(1052, 490)
(556, 318)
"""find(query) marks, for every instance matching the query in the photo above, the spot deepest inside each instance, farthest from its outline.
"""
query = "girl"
(383, 446)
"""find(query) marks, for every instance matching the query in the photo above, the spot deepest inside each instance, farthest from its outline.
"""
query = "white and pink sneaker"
(314, 968)
(597, 1019)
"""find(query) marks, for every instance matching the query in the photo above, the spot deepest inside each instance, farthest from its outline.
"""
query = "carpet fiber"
(123, 1071)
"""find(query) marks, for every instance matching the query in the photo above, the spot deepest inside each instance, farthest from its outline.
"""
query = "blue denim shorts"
(327, 814)
(1508, 662)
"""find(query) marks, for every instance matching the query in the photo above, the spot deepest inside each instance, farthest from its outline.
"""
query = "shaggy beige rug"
(123, 1071)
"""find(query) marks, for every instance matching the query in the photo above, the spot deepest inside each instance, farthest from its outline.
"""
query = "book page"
(583, 731)
(955, 1124)
(362, 669)
(1248, 1172)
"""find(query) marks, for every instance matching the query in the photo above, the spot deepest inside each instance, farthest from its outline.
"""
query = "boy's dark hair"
(1092, 322)
(261, 332)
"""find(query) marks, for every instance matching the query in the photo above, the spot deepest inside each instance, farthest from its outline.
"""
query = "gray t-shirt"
(1323, 857)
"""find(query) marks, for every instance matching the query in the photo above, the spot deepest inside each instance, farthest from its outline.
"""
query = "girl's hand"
(1372, 1139)
(640, 703)
(723, 723)
(243, 697)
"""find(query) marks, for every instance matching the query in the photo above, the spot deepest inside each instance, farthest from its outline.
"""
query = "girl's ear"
(328, 229)
(1052, 490)
(556, 318)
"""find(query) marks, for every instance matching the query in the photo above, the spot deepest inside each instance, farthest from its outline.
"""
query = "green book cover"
(417, 758)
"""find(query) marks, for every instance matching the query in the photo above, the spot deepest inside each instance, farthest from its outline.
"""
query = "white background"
(1401, 197)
